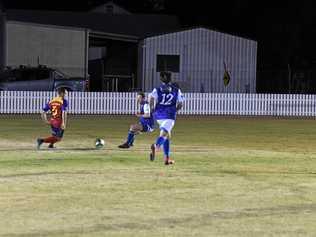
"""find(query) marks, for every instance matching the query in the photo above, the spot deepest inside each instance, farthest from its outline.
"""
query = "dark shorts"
(147, 127)
(56, 128)
(57, 132)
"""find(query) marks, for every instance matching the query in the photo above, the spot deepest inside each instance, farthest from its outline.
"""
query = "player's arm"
(44, 117)
(144, 115)
(64, 120)
(147, 110)
(151, 102)
(180, 100)
(44, 114)
(179, 106)
(152, 98)
(64, 114)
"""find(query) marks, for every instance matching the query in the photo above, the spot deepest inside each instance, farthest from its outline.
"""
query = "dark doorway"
(112, 64)
(96, 72)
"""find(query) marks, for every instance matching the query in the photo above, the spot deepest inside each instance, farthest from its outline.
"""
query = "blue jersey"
(167, 96)
(144, 109)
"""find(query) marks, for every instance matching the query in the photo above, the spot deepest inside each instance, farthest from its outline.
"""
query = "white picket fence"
(28, 102)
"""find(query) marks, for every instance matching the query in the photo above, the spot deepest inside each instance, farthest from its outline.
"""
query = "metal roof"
(197, 27)
(133, 25)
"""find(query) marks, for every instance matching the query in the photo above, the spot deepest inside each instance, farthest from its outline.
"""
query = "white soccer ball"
(99, 143)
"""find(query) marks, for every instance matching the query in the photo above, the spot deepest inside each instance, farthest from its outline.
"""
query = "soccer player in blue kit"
(146, 121)
(168, 100)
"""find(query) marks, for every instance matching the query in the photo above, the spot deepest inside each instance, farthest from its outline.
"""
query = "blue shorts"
(147, 127)
(57, 132)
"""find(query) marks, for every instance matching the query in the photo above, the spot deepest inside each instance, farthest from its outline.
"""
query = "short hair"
(142, 94)
(165, 76)
(61, 90)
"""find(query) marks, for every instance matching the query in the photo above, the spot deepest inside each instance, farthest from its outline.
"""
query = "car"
(40, 78)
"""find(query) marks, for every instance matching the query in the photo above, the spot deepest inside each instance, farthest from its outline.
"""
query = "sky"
(285, 30)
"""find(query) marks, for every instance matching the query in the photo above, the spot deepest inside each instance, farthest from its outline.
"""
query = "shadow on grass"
(13, 149)
(49, 150)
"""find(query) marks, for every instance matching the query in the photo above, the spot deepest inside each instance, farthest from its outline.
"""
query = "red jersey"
(56, 106)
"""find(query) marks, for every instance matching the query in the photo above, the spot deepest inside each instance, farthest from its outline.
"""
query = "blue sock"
(132, 142)
(160, 141)
(166, 148)
(130, 137)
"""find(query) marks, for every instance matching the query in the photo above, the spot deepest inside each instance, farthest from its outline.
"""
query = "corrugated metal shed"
(64, 48)
(202, 54)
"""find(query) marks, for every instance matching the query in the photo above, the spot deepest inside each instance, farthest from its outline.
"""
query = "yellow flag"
(226, 77)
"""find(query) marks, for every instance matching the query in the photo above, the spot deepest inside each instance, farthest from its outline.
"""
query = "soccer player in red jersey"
(58, 108)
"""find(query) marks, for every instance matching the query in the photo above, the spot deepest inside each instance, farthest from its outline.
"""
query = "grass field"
(232, 177)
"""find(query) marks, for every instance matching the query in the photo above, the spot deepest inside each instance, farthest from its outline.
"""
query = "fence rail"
(28, 102)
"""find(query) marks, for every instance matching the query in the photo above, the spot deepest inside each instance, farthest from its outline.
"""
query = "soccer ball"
(99, 143)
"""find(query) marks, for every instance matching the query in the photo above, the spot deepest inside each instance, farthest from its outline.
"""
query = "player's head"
(165, 77)
(61, 92)
(140, 96)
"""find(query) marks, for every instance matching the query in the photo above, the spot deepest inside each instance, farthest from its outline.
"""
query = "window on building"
(168, 63)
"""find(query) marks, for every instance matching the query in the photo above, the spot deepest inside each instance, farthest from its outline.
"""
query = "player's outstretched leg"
(153, 152)
(166, 150)
(39, 142)
(51, 140)
(162, 140)
(132, 141)
(129, 140)
(156, 146)
(134, 130)
(51, 146)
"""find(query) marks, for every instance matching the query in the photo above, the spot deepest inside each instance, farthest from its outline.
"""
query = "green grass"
(232, 177)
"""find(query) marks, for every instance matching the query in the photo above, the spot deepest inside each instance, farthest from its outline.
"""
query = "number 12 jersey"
(166, 96)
